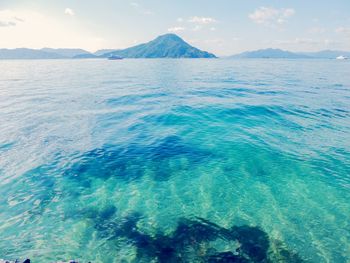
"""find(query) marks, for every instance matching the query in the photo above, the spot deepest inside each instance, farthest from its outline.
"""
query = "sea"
(175, 160)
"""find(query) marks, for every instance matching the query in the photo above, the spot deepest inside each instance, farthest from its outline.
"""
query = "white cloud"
(271, 16)
(69, 11)
(8, 19)
(202, 20)
(176, 29)
(197, 23)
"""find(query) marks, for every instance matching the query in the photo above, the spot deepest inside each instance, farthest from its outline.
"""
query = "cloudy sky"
(223, 26)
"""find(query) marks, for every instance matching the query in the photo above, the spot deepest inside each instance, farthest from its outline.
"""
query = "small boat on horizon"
(341, 58)
(114, 57)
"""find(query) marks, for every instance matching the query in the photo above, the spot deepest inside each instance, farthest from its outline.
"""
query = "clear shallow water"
(138, 159)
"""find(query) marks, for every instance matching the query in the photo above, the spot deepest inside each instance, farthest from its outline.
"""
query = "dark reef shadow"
(129, 162)
(196, 240)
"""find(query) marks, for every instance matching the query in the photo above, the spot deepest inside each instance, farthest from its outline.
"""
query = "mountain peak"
(169, 39)
(170, 36)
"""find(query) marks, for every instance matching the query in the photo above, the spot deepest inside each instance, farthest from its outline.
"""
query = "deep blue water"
(175, 160)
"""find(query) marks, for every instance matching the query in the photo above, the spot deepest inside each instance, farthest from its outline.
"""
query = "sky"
(224, 27)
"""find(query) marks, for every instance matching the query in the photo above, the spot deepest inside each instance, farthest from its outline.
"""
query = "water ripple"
(152, 159)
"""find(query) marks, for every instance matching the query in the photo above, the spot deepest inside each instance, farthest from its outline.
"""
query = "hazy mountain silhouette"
(269, 53)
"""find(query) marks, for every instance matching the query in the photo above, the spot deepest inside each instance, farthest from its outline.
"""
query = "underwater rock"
(197, 240)
(16, 261)
(70, 261)
(280, 253)
(193, 240)
(226, 257)
(254, 241)
(28, 261)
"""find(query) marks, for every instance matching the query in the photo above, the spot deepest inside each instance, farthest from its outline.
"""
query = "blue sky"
(223, 26)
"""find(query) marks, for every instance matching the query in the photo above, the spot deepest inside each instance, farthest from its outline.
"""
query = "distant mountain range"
(269, 53)
(165, 46)
(327, 54)
(66, 52)
(103, 51)
(44, 53)
(279, 53)
(26, 53)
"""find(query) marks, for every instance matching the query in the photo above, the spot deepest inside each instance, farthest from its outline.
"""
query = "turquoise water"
(175, 160)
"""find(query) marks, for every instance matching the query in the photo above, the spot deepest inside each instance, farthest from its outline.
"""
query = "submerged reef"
(15, 261)
(28, 261)
(195, 240)
(129, 161)
(192, 240)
